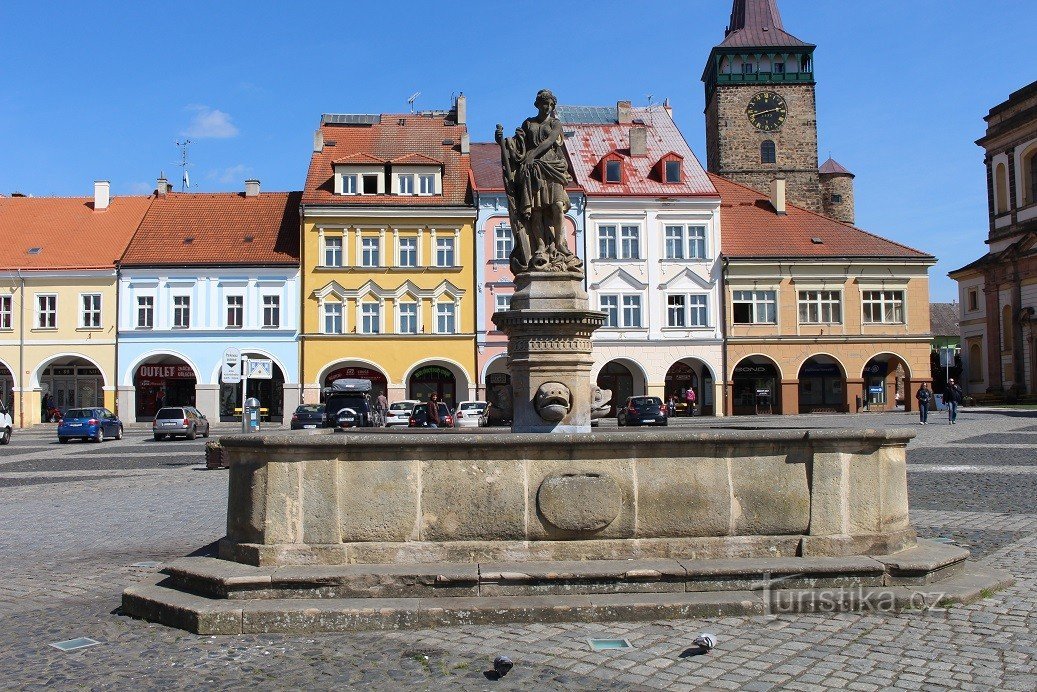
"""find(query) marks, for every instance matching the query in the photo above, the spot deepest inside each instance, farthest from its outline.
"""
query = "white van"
(6, 424)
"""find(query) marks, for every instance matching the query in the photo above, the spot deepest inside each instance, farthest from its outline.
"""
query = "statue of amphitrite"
(535, 175)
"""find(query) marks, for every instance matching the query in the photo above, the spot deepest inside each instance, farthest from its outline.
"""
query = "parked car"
(349, 418)
(642, 410)
(89, 424)
(6, 424)
(348, 393)
(399, 413)
(179, 421)
(470, 414)
(308, 416)
(419, 417)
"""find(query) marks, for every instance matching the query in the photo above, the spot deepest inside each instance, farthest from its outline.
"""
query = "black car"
(419, 416)
(642, 410)
(308, 416)
(351, 394)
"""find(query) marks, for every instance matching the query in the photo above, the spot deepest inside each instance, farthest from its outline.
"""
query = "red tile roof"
(428, 139)
(832, 166)
(359, 158)
(486, 169)
(208, 229)
(757, 23)
(593, 141)
(69, 233)
(751, 229)
(417, 160)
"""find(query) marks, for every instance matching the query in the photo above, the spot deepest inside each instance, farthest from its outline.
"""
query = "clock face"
(767, 111)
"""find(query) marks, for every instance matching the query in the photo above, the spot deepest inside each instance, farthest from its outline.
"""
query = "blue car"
(89, 424)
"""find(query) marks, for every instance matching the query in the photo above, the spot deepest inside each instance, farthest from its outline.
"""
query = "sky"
(96, 90)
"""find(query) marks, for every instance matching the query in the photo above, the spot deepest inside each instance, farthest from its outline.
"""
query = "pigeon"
(705, 641)
(501, 665)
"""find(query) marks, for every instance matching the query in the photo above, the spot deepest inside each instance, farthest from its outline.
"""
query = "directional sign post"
(260, 369)
(230, 372)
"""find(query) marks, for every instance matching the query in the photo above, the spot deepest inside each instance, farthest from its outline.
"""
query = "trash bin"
(250, 415)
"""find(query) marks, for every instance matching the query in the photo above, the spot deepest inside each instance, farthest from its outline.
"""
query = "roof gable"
(619, 280)
(688, 280)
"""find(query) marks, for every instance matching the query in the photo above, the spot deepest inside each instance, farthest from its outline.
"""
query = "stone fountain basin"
(391, 497)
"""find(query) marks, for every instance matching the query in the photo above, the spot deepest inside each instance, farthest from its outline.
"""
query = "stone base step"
(159, 602)
(216, 578)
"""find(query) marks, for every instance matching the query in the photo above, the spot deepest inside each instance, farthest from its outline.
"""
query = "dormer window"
(427, 184)
(613, 171)
(416, 178)
(349, 184)
(370, 183)
(406, 184)
(672, 171)
(359, 174)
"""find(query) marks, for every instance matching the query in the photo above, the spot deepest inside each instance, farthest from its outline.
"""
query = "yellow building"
(58, 298)
(387, 256)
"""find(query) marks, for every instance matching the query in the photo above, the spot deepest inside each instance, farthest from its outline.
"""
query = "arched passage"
(822, 385)
(355, 370)
(7, 386)
(163, 380)
(269, 392)
(446, 378)
(885, 377)
(625, 379)
(693, 374)
(70, 381)
(497, 381)
(756, 386)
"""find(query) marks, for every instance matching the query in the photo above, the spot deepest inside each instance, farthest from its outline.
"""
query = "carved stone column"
(549, 327)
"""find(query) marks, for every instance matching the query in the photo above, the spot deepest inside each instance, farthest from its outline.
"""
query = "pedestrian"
(433, 420)
(690, 400)
(952, 396)
(925, 397)
(671, 406)
(381, 406)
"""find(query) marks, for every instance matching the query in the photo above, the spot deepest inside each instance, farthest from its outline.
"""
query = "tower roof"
(831, 166)
(757, 23)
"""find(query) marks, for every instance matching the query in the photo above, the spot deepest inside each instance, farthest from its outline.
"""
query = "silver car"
(179, 421)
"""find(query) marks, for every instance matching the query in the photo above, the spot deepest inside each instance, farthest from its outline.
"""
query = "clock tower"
(761, 117)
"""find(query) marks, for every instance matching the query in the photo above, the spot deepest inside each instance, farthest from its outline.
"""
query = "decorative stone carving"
(553, 400)
(601, 402)
(580, 501)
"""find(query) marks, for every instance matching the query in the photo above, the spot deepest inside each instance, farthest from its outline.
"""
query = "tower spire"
(755, 15)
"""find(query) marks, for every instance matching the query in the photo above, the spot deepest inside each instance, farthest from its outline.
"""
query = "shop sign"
(432, 372)
(877, 368)
(754, 370)
(166, 372)
(498, 378)
(355, 373)
(763, 392)
(820, 370)
(876, 389)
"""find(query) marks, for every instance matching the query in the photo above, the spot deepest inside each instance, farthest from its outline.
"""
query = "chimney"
(318, 142)
(639, 141)
(624, 116)
(102, 194)
(778, 196)
(461, 106)
(466, 143)
(668, 108)
(252, 188)
(162, 187)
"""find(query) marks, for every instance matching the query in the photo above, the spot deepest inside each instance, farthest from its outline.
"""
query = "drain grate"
(608, 644)
(73, 644)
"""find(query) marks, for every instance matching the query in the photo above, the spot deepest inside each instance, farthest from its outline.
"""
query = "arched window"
(1006, 328)
(768, 153)
(975, 363)
(1001, 188)
(1030, 176)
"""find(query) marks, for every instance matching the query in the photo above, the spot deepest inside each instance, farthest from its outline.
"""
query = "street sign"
(260, 369)
(230, 372)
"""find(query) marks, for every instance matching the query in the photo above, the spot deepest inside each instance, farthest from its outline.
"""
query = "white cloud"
(139, 188)
(210, 123)
(231, 175)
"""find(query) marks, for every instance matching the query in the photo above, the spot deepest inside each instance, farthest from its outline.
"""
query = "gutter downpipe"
(723, 327)
(115, 375)
(21, 351)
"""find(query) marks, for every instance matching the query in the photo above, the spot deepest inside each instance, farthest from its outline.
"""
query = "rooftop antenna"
(412, 99)
(185, 179)
(649, 97)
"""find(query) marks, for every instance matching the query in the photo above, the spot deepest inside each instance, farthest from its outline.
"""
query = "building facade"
(998, 292)
(493, 277)
(206, 272)
(388, 248)
(652, 253)
(58, 299)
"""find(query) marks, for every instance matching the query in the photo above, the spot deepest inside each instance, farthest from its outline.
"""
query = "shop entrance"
(619, 378)
(690, 374)
(379, 384)
(498, 391)
(71, 383)
(163, 381)
(269, 392)
(430, 379)
(884, 378)
(822, 386)
(7, 388)
(756, 387)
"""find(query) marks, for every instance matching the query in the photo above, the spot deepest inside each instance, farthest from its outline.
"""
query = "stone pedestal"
(549, 329)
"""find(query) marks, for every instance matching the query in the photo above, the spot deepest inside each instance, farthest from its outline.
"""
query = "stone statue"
(536, 172)
(601, 402)
(553, 401)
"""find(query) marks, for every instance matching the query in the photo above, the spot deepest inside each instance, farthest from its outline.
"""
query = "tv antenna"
(649, 97)
(185, 179)
(412, 99)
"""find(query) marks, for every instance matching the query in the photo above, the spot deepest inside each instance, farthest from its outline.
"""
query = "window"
(673, 171)
(145, 312)
(332, 318)
(610, 306)
(697, 242)
(408, 317)
(973, 299)
(502, 302)
(804, 64)
(674, 242)
(837, 199)
(621, 310)
(1030, 177)
(181, 312)
(46, 312)
(446, 314)
(630, 242)
(820, 307)
(755, 307)
(631, 311)
(1007, 337)
(685, 243)
(6, 313)
(370, 318)
(427, 184)
(333, 251)
(370, 181)
(370, 255)
(1000, 189)
(883, 307)
(778, 68)
(445, 252)
(349, 184)
(747, 68)
(613, 171)
(406, 184)
(502, 242)
(768, 152)
(686, 311)
(91, 317)
(271, 312)
(408, 252)
(235, 312)
(976, 362)
(606, 242)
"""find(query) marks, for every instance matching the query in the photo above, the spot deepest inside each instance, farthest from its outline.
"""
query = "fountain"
(378, 530)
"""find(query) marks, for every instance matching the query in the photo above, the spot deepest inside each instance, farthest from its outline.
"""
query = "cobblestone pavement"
(79, 522)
